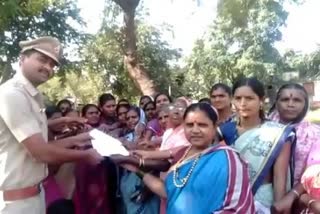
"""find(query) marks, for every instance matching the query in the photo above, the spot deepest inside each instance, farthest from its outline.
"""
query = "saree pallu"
(154, 126)
(174, 138)
(219, 183)
(260, 147)
(131, 187)
(91, 194)
(307, 134)
(59, 189)
(52, 190)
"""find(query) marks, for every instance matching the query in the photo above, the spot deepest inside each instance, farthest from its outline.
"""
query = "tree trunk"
(136, 70)
(7, 72)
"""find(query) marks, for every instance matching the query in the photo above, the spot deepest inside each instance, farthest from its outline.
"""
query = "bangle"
(140, 162)
(295, 192)
(140, 174)
(310, 202)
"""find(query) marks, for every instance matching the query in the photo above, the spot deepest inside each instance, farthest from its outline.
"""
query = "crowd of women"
(223, 154)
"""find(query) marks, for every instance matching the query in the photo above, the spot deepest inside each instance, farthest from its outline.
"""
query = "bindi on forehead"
(292, 93)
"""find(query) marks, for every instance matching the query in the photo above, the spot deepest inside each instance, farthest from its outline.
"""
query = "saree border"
(278, 143)
(209, 150)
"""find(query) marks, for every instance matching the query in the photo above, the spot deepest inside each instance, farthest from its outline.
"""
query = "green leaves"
(33, 18)
(10, 9)
(307, 65)
(240, 42)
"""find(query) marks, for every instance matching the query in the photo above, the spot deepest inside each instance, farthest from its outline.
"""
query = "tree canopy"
(102, 65)
(130, 57)
(241, 42)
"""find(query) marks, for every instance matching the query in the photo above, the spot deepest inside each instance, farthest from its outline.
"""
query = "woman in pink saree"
(291, 108)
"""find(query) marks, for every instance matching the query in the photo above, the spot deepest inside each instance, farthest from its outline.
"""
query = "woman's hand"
(82, 140)
(284, 205)
(142, 154)
(130, 167)
(309, 202)
(120, 159)
(146, 145)
(75, 120)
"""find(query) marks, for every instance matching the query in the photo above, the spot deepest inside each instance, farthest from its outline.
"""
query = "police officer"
(24, 148)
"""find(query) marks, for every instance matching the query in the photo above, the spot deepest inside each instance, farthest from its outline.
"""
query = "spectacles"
(164, 117)
(179, 108)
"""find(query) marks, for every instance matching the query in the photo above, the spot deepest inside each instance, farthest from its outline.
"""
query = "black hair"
(105, 98)
(71, 110)
(306, 99)
(144, 97)
(148, 103)
(64, 101)
(123, 100)
(205, 108)
(136, 109)
(205, 100)
(51, 110)
(256, 86)
(86, 108)
(159, 94)
(127, 106)
(223, 86)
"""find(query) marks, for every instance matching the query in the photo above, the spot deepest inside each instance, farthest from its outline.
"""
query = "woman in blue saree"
(203, 178)
(133, 192)
(265, 145)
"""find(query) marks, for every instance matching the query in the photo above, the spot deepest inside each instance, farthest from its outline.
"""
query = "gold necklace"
(183, 181)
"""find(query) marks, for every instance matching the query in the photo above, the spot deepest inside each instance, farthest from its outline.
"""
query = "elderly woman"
(291, 108)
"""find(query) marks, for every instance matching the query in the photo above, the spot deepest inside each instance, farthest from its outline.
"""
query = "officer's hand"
(82, 140)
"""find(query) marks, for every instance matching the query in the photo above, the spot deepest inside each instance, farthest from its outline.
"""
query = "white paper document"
(107, 145)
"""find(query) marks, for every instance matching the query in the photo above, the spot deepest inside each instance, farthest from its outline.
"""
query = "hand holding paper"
(107, 145)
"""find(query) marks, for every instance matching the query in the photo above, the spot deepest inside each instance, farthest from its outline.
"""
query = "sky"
(190, 21)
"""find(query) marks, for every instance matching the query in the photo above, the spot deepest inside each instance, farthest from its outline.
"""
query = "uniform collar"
(33, 91)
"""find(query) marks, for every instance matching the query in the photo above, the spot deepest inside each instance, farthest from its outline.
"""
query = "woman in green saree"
(265, 145)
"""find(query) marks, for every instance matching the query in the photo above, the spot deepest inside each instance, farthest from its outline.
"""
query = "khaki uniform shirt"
(21, 116)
